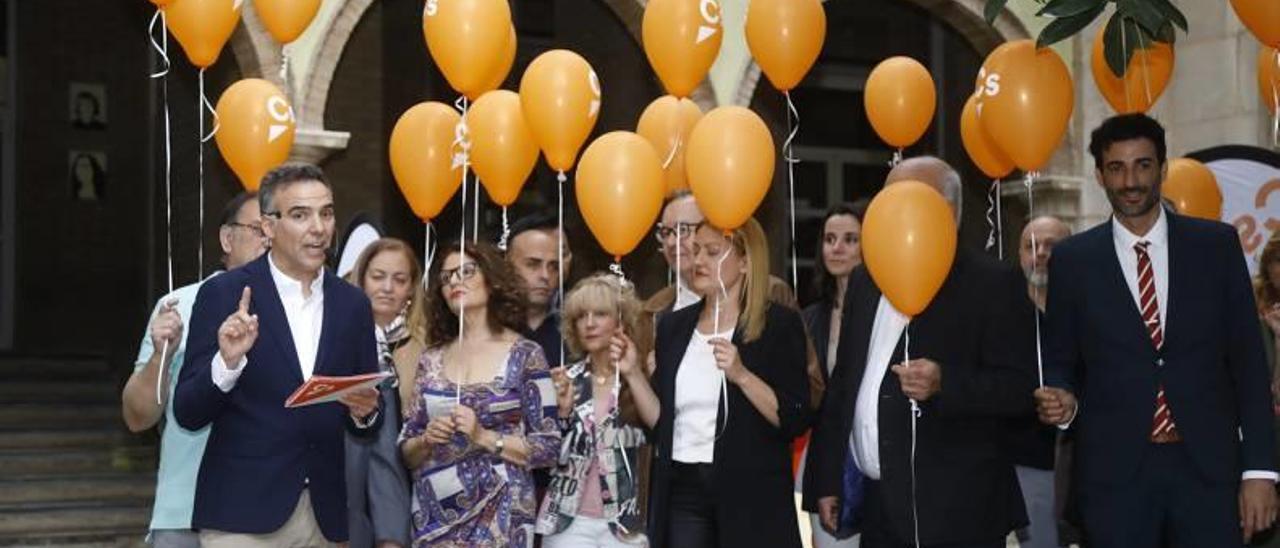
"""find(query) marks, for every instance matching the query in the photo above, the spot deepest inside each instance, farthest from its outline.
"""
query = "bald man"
(971, 358)
(1044, 232)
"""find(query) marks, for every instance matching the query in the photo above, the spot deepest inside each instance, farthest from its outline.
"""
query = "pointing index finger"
(244, 300)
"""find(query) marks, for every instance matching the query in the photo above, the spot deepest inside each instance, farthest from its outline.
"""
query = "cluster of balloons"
(256, 122)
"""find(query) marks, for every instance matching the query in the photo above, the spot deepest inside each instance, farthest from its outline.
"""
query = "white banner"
(1249, 178)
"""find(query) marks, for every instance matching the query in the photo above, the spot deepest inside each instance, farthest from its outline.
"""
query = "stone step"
(51, 524)
(138, 487)
(64, 438)
(15, 463)
(66, 392)
(59, 369)
(34, 416)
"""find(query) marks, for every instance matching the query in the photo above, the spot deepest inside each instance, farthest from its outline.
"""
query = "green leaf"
(1143, 12)
(1118, 43)
(1064, 27)
(992, 10)
(1171, 13)
(1067, 8)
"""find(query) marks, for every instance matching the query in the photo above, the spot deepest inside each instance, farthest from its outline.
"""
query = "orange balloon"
(982, 150)
(466, 41)
(256, 129)
(908, 244)
(900, 100)
(681, 39)
(785, 37)
(422, 155)
(667, 123)
(502, 149)
(202, 26)
(1144, 80)
(499, 74)
(286, 19)
(1193, 189)
(161, 3)
(1027, 103)
(1269, 78)
(729, 162)
(619, 190)
(984, 81)
(560, 94)
(1262, 17)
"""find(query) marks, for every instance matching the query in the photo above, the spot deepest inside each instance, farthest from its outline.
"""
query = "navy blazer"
(260, 455)
(1214, 374)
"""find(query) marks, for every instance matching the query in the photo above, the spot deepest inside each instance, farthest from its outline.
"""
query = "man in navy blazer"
(1153, 354)
(273, 476)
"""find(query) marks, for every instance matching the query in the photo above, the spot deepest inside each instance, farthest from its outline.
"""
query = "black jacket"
(980, 332)
(752, 485)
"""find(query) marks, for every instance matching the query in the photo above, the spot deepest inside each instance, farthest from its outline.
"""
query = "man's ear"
(269, 226)
(225, 235)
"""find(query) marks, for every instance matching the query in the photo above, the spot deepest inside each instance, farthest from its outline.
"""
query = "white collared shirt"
(1158, 251)
(684, 296)
(305, 316)
(864, 438)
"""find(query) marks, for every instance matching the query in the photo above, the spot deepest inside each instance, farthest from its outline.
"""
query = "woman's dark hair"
(824, 284)
(506, 308)
(1264, 289)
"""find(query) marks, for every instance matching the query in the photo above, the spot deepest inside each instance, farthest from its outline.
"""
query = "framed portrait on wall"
(88, 106)
(87, 174)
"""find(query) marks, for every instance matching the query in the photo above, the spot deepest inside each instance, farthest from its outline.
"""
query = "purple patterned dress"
(463, 496)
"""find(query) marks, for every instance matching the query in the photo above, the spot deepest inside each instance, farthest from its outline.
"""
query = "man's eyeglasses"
(462, 273)
(685, 230)
(255, 229)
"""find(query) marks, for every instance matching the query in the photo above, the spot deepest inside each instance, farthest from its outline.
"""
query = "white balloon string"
(1029, 182)
(1035, 253)
(464, 144)
(475, 207)
(1275, 101)
(561, 179)
(999, 222)
(506, 230)
(679, 252)
(675, 147)
(200, 106)
(284, 71)
(164, 351)
(991, 221)
(897, 158)
(723, 294)
(788, 155)
(161, 46)
(915, 417)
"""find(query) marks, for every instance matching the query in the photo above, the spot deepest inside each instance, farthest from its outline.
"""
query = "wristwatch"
(497, 445)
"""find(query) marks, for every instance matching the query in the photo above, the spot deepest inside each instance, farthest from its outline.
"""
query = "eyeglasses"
(462, 273)
(663, 232)
(255, 229)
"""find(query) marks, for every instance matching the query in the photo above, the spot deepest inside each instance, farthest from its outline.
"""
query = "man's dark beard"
(1118, 206)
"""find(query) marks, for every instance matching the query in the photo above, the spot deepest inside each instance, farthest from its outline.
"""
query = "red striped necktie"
(1162, 426)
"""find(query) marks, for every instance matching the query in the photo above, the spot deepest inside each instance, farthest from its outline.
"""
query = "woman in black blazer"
(732, 394)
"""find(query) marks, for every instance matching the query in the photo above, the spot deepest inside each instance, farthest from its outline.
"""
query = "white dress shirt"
(1158, 251)
(698, 381)
(305, 315)
(864, 438)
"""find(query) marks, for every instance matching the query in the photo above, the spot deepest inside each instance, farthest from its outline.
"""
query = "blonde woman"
(732, 394)
(593, 498)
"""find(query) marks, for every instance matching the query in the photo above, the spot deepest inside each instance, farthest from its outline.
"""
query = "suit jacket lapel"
(1177, 270)
(328, 326)
(272, 322)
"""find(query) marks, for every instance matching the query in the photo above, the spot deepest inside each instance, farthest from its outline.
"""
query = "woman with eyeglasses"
(377, 481)
(594, 496)
(483, 412)
(732, 393)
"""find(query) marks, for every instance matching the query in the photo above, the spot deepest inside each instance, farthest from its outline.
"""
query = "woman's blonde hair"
(417, 296)
(749, 241)
(600, 294)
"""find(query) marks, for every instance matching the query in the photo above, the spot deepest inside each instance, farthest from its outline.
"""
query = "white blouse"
(698, 388)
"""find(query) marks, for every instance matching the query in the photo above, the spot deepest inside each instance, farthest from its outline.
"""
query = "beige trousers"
(301, 530)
